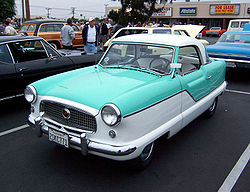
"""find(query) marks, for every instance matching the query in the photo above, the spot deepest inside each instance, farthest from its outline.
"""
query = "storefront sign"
(229, 9)
(167, 12)
(188, 11)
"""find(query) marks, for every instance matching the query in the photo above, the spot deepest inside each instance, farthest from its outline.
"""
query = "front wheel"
(211, 110)
(144, 158)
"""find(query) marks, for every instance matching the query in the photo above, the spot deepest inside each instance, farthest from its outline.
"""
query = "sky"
(62, 9)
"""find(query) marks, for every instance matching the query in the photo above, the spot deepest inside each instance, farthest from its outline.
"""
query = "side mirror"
(50, 57)
(175, 66)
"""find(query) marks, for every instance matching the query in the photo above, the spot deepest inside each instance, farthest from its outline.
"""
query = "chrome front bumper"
(82, 143)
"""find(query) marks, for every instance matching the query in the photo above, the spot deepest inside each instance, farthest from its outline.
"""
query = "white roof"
(174, 40)
(163, 39)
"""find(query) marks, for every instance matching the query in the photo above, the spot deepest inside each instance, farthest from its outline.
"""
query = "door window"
(50, 50)
(242, 24)
(189, 58)
(27, 51)
(4, 54)
(24, 28)
(32, 27)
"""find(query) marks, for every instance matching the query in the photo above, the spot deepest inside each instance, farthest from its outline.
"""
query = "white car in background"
(184, 30)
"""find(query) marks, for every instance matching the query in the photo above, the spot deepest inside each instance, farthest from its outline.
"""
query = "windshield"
(235, 38)
(145, 57)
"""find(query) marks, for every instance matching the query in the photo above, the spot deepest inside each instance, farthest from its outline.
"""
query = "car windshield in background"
(235, 38)
(215, 28)
(146, 57)
(131, 32)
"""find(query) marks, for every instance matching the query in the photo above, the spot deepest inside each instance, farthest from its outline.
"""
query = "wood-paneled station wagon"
(144, 86)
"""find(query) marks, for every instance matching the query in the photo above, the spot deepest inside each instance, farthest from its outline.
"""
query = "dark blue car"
(233, 47)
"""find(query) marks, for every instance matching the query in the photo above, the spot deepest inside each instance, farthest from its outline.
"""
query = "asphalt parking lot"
(207, 155)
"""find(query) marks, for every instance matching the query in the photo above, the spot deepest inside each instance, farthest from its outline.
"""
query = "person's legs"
(93, 48)
(87, 48)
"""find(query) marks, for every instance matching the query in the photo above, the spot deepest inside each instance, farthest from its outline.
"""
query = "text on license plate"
(59, 137)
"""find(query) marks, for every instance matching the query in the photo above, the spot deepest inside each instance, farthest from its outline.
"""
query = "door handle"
(209, 77)
(23, 69)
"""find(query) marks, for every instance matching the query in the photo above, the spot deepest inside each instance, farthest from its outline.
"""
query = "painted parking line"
(14, 129)
(240, 92)
(234, 175)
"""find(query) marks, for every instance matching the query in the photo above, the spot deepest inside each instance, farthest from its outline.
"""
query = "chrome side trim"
(231, 60)
(11, 97)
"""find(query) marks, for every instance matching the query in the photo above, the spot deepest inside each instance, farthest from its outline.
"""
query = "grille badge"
(66, 113)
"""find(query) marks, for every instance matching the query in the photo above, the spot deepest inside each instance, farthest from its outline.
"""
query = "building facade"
(210, 13)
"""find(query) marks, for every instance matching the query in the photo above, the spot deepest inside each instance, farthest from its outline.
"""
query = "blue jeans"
(90, 48)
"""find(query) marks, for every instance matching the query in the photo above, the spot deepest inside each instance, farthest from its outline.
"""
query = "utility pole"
(106, 15)
(48, 9)
(27, 6)
(73, 11)
(23, 16)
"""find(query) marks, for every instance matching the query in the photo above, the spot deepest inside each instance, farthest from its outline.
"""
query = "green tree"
(134, 11)
(7, 8)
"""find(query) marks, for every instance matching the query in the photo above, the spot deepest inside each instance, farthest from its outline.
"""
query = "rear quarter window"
(50, 28)
(162, 31)
(4, 54)
(235, 24)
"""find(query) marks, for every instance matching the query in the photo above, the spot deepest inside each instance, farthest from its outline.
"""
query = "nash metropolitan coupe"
(144, 87)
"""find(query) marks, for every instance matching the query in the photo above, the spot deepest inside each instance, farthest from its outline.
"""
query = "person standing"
(103, 34)
(90, 34)
(109, 26)
(2, 28)
(67, 35)
(8, 29)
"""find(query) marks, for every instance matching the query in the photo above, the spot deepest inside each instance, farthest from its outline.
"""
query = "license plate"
(59, 137)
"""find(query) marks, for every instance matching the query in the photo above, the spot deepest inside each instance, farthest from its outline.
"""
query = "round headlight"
(111, 115)
(30, 94)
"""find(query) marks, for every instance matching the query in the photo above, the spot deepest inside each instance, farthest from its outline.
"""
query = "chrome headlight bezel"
(30, 94)
(115, 115)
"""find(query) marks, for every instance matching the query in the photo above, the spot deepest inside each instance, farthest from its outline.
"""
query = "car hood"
(96, 86)
(192, 30)
(229, 48)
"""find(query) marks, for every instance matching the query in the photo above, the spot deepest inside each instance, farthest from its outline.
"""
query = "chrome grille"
(78, 118)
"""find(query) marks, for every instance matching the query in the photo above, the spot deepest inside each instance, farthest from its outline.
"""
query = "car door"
(7, 74)
(33, 61)
(195, 81)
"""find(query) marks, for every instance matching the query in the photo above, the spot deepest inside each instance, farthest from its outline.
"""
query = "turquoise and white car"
(144, 87)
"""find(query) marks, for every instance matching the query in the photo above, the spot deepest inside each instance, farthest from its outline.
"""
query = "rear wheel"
(211, 110)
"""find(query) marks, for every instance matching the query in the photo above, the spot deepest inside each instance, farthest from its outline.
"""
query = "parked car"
(232, 47)
(145, 86)
(50, 30)
(27, 59)
(215, 31)
(185, 30)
